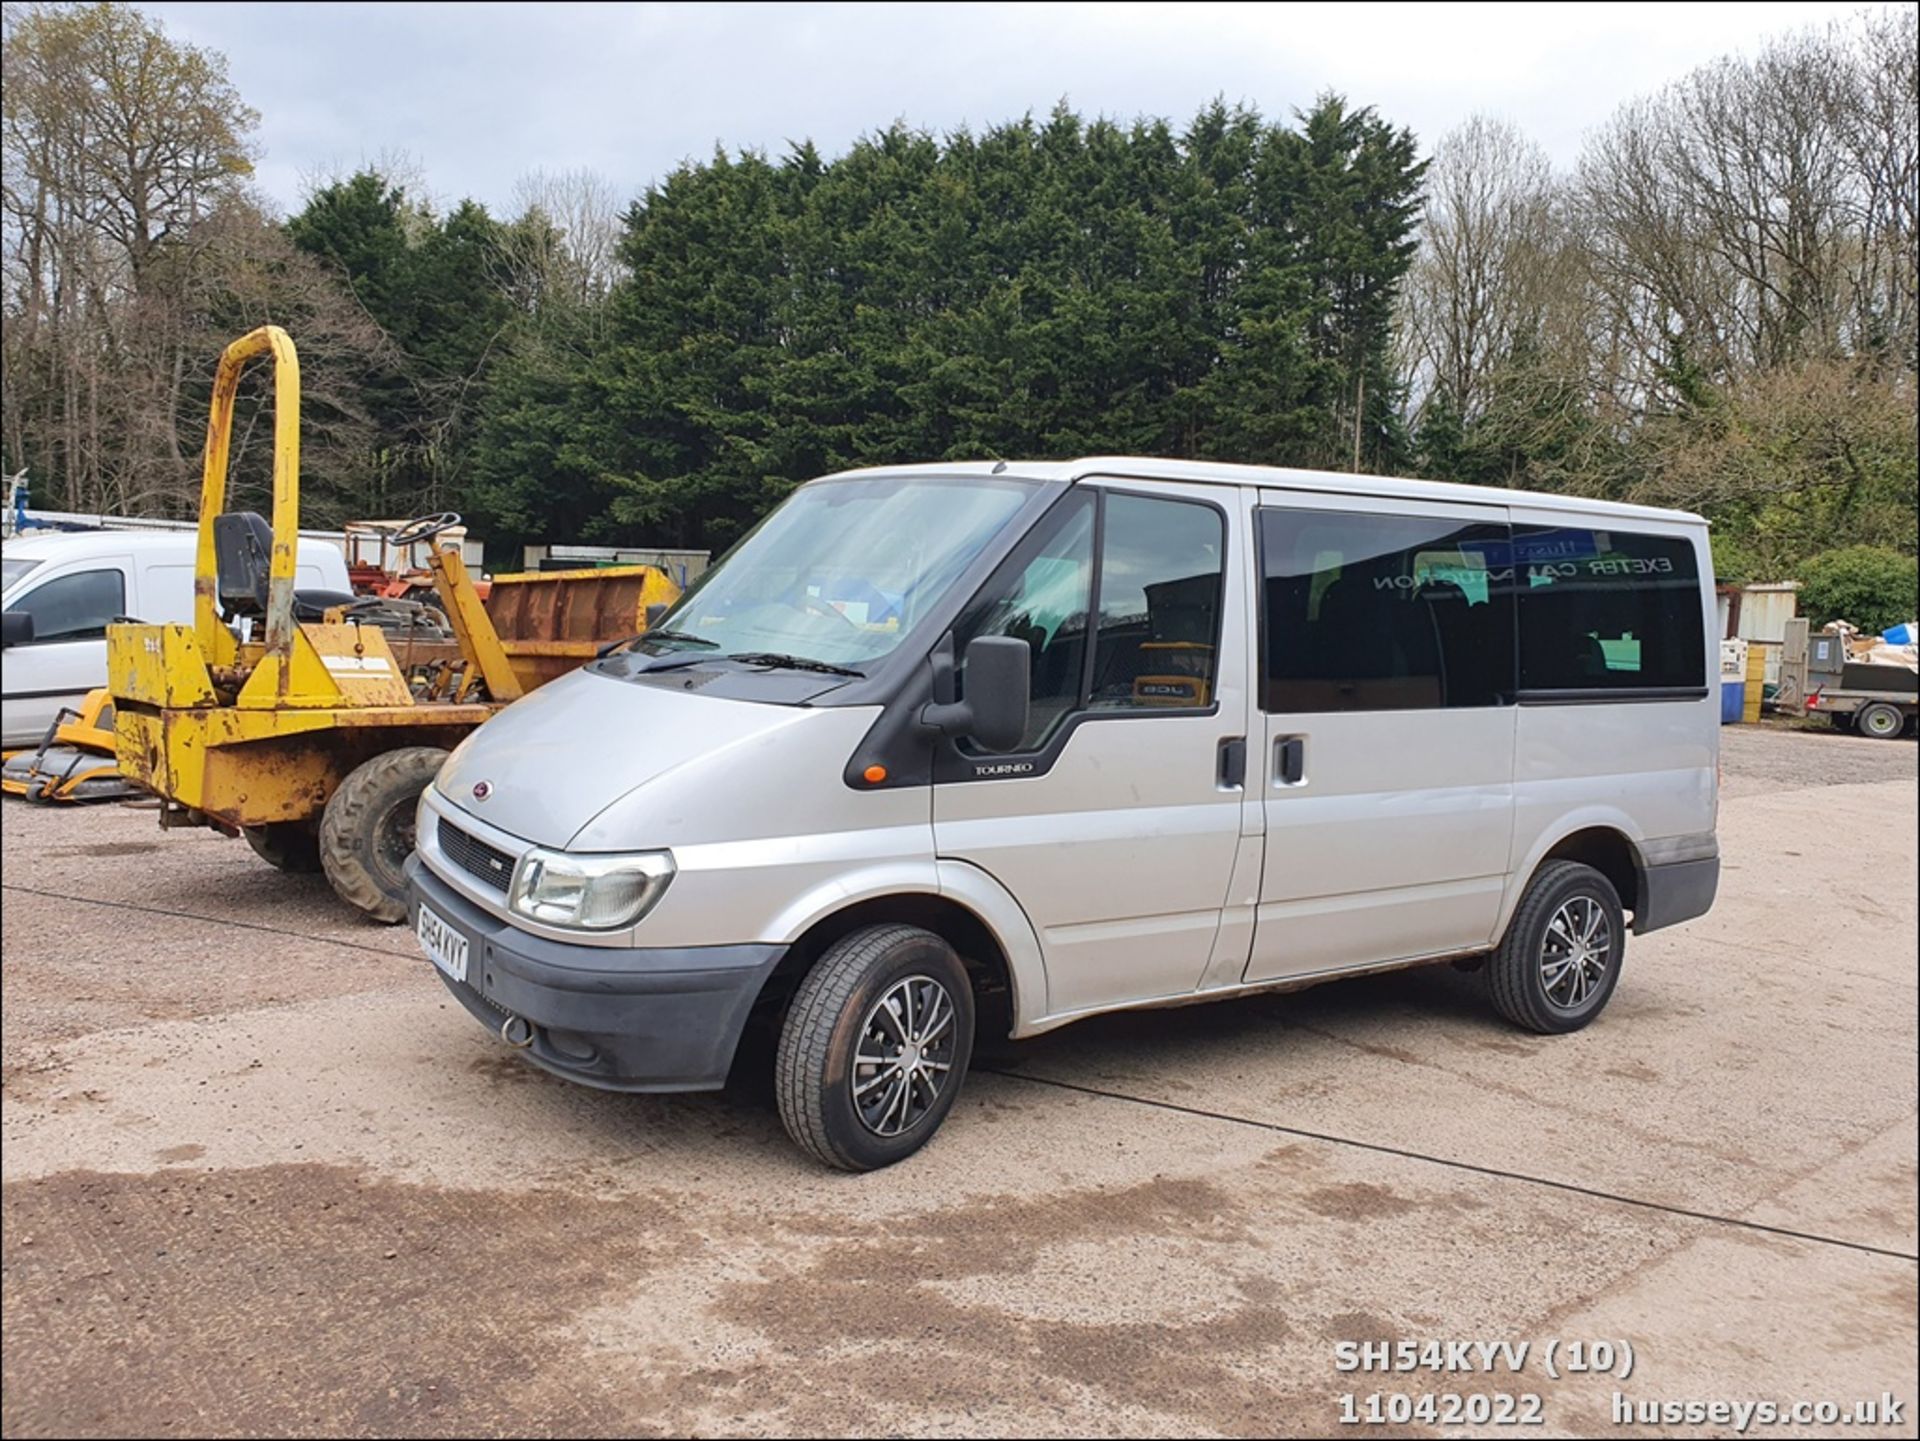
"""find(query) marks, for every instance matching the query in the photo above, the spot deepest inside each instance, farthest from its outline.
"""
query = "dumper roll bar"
(208, 629)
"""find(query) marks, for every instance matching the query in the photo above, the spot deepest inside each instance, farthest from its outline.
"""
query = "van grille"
(475, 857)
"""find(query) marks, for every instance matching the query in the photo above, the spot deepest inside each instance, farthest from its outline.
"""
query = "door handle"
(1233, 763)
(1290, 760)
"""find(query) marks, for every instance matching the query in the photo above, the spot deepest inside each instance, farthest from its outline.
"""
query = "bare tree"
(117, 144)
(1488, 261)
(564, 243)
(1877, 116)
(1758, 213)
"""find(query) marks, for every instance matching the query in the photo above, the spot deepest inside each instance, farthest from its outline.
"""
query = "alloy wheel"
(1576, 952)
(903, 1056)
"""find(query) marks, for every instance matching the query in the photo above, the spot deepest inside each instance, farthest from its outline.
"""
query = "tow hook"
(519, 1039)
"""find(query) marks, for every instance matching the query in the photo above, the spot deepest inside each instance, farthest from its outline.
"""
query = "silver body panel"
(1127, 873)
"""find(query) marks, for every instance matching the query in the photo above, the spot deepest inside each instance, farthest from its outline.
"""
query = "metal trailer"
(1818, 678)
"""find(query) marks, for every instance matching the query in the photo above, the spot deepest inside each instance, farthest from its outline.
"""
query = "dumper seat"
(242, 562)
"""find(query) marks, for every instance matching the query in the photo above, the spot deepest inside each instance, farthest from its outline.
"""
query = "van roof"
(46, 543)
(1204, 472)
(80, 544)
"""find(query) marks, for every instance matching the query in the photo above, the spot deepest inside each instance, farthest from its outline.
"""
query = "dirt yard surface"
(1795, 755)
(262, 1176)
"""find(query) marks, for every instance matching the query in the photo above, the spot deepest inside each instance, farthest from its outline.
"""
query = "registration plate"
(444, 946)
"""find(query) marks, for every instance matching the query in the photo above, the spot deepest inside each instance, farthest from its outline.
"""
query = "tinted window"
(1159, 627)
(1604, 609)
(1383, 612)
(75, 607)
(1044, 601)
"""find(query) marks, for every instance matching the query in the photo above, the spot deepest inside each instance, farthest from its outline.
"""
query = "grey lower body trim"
(1675, 892)
(615, 1018)
(1670, 850)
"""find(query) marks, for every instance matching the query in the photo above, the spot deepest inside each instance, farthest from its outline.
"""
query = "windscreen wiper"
(685, 637)
(791, 662)
(614, 647)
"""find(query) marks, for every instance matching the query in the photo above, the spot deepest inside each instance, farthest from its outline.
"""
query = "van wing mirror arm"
(944, 713)
(996, 714)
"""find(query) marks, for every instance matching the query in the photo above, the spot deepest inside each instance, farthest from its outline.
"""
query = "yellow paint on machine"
(263, 732)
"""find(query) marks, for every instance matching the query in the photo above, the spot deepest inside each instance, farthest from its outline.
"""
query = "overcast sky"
(478, 94)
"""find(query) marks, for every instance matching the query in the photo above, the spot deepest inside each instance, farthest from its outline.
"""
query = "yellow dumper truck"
(310, 722)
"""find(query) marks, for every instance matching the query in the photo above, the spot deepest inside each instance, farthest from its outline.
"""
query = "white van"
(60, 589)
(959, 746)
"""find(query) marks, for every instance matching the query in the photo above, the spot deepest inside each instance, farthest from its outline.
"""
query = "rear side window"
(1383, 612)
(1608, 610)
(75, 607)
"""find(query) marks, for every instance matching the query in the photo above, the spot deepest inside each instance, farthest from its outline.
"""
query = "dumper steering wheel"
(425, 528)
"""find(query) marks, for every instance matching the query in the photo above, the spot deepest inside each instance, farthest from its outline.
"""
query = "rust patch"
(1500, 1047)
(508, 1069)
(868, 1308)
(1632, 1070)
(113, 848)
(308, 1299)
(1360, 1326)
(1357, 1201)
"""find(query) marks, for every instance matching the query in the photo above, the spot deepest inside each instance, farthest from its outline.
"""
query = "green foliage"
(1043, 289)
(1869, 585)
(1049, 287)
(436, 289)
(1788, 464)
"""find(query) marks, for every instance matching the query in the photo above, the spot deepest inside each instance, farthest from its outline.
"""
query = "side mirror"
(16, 628)
(655, 611)
(999, 690)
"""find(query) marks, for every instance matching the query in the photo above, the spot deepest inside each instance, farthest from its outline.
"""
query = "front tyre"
(874, 1047)
(366, 831)
(1557, 965)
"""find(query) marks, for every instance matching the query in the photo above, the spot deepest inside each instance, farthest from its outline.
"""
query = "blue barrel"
(1733, 699)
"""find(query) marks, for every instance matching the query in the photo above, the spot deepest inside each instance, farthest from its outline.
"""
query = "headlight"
(589, 893)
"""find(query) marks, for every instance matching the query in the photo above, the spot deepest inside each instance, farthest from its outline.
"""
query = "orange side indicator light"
(873, 775)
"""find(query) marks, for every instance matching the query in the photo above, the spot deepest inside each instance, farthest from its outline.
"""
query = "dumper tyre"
(1557, 966)
(366, 831)
(1880, 721)
(874, 1047)
(286, 846)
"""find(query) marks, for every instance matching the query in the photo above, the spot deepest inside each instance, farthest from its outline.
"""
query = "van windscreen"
(841, 570)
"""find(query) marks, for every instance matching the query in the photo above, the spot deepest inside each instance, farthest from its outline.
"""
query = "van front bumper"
(616, 1017)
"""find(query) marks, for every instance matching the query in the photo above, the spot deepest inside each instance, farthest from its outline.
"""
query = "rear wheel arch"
(1609, 851)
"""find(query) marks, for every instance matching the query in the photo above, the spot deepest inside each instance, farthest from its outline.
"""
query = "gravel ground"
(262, 1176)
(1796, 755)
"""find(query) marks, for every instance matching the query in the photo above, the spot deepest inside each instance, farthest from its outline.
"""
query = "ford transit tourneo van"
(942, 748)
